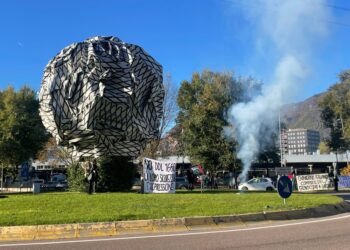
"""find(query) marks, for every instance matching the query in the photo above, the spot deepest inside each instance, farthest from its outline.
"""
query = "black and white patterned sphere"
(102, 97)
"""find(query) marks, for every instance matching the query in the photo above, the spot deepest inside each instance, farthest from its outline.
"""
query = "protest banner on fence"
(344, 182)
(313, 182)
(158, 176)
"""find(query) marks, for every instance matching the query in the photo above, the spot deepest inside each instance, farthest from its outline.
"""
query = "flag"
(198, 170)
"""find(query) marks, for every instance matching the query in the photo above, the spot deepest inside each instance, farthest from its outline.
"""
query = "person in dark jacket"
(92, 177)
(190, 178)
(336, 183)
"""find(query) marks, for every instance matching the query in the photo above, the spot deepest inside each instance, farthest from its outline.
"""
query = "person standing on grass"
(92, 177)
(336, 183)
(190, 178)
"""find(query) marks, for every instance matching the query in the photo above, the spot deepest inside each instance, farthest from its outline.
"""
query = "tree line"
(203, 103)
(22, 134)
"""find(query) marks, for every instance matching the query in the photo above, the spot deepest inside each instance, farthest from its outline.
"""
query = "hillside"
(305, 114)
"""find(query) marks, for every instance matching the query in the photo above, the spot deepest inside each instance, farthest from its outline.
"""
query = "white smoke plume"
(290, 30)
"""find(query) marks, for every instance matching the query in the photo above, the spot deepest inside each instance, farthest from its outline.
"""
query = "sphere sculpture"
(102, 97)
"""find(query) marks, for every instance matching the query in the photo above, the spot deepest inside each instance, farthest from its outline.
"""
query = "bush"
(115, 174)
(345, 170)
(76, 179)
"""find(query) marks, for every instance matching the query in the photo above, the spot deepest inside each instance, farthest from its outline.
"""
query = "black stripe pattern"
(102, 97)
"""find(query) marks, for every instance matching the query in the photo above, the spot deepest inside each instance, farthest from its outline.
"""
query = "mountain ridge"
(305, 114)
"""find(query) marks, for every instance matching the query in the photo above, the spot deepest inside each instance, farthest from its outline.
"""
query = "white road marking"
(173, 235)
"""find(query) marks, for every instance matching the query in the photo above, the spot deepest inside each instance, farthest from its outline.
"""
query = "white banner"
(313, 182)
(158, 176)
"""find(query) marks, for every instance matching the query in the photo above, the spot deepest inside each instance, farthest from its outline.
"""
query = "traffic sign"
(284, 187)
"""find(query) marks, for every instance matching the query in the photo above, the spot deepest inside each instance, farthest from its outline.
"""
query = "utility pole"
(336, 172)
(280, 132)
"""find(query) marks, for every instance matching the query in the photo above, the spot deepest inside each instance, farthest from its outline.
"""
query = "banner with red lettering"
(159, 176)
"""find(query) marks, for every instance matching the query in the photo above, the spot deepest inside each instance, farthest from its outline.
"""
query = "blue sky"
(184, 36)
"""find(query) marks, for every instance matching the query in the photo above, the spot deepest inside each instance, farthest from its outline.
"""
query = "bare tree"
(55, 154)
(168, 117)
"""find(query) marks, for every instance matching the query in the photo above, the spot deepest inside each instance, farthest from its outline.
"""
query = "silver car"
(257, 184)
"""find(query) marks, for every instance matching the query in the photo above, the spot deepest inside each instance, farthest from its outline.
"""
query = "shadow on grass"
(215, 191)
(6, 194)
(132, 217)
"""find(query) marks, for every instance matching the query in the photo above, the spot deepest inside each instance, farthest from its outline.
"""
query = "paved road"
(325, 233)
(344, 195)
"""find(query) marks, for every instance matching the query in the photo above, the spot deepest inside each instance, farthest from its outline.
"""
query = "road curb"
(65, 231)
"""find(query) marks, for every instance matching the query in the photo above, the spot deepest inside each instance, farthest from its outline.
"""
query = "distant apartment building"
(301, 141)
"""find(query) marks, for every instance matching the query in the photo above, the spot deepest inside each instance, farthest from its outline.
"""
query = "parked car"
(257, 184)
(58, 177)
(225, 178)
(61, 185)
(181, 182)
(54, 186)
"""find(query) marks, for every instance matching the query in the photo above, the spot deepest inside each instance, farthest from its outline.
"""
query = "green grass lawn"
(56, 208)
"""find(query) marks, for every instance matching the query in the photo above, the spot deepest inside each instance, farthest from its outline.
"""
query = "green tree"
(269, 153)
(204, 103)
(335, 112)
(21, 131)
(115, 174)
(76, 177)
(345, 170)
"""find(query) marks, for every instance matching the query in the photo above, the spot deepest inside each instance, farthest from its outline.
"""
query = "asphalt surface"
(331, 232)
(325, 233)
(344, 195)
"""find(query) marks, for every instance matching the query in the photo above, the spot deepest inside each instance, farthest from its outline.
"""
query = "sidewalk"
(66, 231)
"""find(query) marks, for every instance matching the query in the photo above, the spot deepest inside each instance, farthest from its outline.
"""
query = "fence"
(17, 186)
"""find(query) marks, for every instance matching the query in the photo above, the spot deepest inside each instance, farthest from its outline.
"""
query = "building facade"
(48, 165)
(302, 141)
